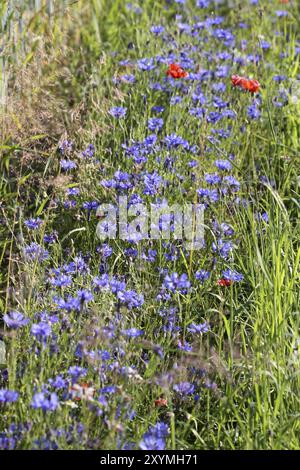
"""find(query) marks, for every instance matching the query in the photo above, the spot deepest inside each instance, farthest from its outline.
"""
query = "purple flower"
(184, 388)
(132, 332)
(253, 112)
(231, 275)
(76, 372)
(202, 328)
(46, 403)
(202, 3)
(202, 275)
(51, 238)
(85, 296)
(15, 320)
(152, 182)
(89, 151)
(184, 346)
(157, 29)
(223, 165)
(222, 248)
(71, 304)
(73, 191)
(35, 252)
(67, 165)
(61, 281)
(232, 182)
(208, 195)
(65, 147)
(176, 283)
(146, 64)
(118, 112)
(131, 298)
(212, 178)
(157, 109)
(58, 382)
(8, 396)
(155, 437)
(41, 330)
(281, 13)
(155, 124)
(33, 224)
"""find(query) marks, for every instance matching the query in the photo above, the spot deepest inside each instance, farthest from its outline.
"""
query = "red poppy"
(176, 71)
(247, 84)
(224, 282)
(160, 402)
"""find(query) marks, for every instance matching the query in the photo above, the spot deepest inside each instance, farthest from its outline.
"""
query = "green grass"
(58, 60)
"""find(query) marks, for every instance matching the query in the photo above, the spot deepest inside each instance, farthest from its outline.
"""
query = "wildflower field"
(150, 340)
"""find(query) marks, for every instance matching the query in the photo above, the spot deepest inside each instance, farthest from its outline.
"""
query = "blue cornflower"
(132, 332)
(15, 320)
(146, 64)
(232, 182)
(184, 388)
(231, 275)
(84, 296)
(281, 13)
(155, 124)
(253, 112)
(76, 372)
(174, 141)
(157, 109)
(33, 224)
(118, 112)
(202, 328)
(175, 100)
(131, 298)
(208, 195)
(89, 151)
(35, 252)
(222, 248)
(212, 178)
(152, 442)
(174, 282)
(202, 3)
(51, 237)
(263, 217)
(67, 165)
(90, 205)
(73, 191)
(58, 382)
(127, 78)
(105, 250)
(41, 330)
(265, 45)
(8, 396)
(157, 29)
(65, 147)
(109, 389)
(279, 78)
(152, 182)
(61, 281)
(213, 117)
(44, 402)
(223, 165)
(184, 346)
(155, 437)
(72, 303)
(202, 275)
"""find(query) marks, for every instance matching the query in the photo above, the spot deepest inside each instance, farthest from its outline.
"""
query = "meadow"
(151, 344)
